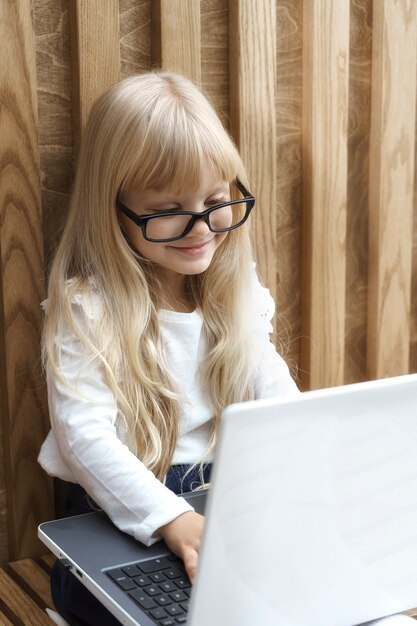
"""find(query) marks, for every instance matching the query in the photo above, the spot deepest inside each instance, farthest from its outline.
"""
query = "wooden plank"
(413, 317)
(215, 55)
(95, 53)
(360, 72)
(135, 36)
(4, 620)
(53, 71)
(176, 43)
(252, 59)
(325, 116)
(23, 404)
(34, 580)
(393, 121)
(21, 609)
(288, 176)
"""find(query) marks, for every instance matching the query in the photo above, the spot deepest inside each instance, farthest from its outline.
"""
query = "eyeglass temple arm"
(242, 189)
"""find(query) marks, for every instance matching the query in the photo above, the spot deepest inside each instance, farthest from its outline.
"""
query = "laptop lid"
(312, 515)
(311, 519)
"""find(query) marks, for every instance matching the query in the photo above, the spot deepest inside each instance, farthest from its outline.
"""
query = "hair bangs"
(177, 153)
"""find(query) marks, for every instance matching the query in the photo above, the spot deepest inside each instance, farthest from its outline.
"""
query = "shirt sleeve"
(273, 377)
(83, 414)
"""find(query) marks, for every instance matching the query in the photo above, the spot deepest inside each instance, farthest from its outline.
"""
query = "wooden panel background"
(312, 95)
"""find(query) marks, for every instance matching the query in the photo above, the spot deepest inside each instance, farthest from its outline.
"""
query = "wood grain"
(176, 41)
(413, 314)
(391, 189)
(135, 36)
(53, 70)
(21, 609)
(23, 412)
(360, 72)
(34, 580)
(215, 55)
(325, 118)
(288, 176)
(95, 51)
(252, 36)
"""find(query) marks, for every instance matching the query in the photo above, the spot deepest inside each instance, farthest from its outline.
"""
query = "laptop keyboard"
(159, 586)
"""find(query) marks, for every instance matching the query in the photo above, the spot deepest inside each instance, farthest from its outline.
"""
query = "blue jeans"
(72, 600)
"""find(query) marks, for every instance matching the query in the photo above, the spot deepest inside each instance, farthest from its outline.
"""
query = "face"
(193, 253)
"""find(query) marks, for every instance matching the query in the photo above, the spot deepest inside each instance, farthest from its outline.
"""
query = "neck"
(174, 296)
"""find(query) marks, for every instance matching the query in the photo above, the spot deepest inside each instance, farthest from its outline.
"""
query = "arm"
(83, 416)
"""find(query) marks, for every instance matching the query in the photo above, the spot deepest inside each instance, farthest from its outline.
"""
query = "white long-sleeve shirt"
(86, 441)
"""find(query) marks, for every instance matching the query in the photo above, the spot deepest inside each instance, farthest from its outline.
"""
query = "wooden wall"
(320, 96)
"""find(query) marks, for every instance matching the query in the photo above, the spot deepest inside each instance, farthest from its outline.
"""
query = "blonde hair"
(150, 131)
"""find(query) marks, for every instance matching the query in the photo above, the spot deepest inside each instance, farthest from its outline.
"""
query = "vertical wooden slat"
(360, 72)
(135, 36)
(325, 117)
(215, 55)
(252, 67)
(413, 316)
(53, 71)
(23, 412)
(95, 54)
(289, 104)
(393, 119)
(176, 36)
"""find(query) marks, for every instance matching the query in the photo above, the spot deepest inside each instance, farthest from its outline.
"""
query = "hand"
(183, 537)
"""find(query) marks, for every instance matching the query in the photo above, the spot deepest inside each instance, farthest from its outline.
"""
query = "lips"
(193, 250)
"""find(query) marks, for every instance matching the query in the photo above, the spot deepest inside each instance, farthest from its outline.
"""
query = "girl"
(155, 319)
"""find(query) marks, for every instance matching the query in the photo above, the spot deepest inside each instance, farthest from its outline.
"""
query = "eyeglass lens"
(170, 226)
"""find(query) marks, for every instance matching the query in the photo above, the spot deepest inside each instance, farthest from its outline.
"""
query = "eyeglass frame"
(142, 220)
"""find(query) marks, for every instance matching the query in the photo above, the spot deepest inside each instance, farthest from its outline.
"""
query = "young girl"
(155, 318)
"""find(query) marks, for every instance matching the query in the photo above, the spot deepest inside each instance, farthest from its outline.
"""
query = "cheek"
(133, 235)
(220, 238)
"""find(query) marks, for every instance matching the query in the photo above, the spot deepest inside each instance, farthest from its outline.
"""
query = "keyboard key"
(154, 565)
(178, 596)
(162, 600)
(181, 619)
(116, 574)
(126, 584)
(121, 580)
(182, 583)
(168, 586)
(152, 590)
(173, 572)
(142, 599)
(174, 610)
(168, 621)
(158, 577)
(131, 570)
(185, 606)
(141, 581)
(158, 613)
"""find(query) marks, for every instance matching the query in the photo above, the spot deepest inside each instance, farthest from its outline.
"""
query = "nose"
(200, 227)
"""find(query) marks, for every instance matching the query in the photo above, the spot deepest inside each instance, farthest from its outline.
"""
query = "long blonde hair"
(150, 131)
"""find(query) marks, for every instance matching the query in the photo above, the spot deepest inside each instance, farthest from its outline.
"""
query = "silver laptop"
(311, 520)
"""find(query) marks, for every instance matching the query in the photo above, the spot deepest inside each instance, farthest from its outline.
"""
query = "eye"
(215, 201)
(157, 210)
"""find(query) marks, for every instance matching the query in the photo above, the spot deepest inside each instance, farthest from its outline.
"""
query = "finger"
(190, 563)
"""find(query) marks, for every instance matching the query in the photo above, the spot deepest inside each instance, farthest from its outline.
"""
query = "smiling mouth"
(192, 250)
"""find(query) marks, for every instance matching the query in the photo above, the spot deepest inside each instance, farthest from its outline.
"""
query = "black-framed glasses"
(172, 225)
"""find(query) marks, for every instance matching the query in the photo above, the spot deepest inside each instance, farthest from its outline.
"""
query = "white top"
(86, 442)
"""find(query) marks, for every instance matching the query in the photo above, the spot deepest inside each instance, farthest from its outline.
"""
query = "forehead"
(207, 183)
